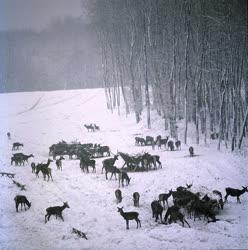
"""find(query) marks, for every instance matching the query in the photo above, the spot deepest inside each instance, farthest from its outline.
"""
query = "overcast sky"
(35, 14)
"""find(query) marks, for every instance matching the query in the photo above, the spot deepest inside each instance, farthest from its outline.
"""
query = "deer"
(235, 193)
(178, 145)
(33, 167)
(171, 145)
(21, 199)
(164, 197)
(26, 157)
(59, 163)
(129, 216)
(113, 169)
(191, 151)
(16, 145)
(124, 176)
(175, 215)
(109, 162)
(89, 127)
(44, 168)
(118, 195)
(157, 210)
(57, 211)
(136, 197)
(220, 201)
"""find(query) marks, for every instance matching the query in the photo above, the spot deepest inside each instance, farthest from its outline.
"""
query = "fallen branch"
(79, 233)
(22, 187)
(10, 175)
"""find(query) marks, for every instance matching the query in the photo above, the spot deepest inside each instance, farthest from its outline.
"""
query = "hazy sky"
(35, 14)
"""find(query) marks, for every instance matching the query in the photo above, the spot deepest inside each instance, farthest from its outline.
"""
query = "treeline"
(63, 56)
(187, 59)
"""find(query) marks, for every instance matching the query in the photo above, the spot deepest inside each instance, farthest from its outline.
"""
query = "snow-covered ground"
(40, 119)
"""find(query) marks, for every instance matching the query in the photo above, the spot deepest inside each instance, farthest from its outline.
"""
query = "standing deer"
(124, 176)
(191, 151)
(136, 197)
(21, 199)
(57, 211)
(235, 192)
(157, 210)
(33, 167)
(164, 197)
(59, 163)
(118, 195)
(129, 216)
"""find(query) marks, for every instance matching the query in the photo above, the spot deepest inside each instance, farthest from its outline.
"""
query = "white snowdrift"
(40, 119)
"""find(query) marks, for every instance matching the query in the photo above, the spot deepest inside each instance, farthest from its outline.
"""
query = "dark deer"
(191, 151)
(59, 163)
(178, 145)
(21, 199)
(46, 171)
(113, 170)
(89, 127)
(124, 176)
(109, 162)
(175, 215)
(57, 211)
(25, 158)
(33, 167)
(157, 210)
(16, 145)
(164, 197)
(129, 216)
(118, 195)
(136, 197)
(235, 192)
(171, 145)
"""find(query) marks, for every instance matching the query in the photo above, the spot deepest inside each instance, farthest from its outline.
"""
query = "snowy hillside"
(40, 119)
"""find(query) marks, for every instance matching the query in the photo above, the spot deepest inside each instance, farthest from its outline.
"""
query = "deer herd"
(185, 202)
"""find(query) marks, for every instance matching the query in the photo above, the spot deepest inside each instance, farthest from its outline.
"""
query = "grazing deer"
(33, 167)
(57, 211)
(124, 176)
(21, 199)
(136, 197)
(59, 163)
(178, 216)
(118, 195)
(164, 197)
(129, 216)
(235, 192)
(191, 151)
(157, 210)
(16, 145)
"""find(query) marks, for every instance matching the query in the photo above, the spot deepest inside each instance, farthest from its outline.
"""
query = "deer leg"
(238, 200)
(187, 223)
(61, 217)
(127, 224)
(226, 197)
(17, 207)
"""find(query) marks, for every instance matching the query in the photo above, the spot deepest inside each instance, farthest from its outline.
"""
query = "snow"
(39, 119)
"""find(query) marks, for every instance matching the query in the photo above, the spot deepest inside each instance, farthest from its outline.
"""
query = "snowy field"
(40, 119)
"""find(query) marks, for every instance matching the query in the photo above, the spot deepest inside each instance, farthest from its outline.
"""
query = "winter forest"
(186, 59)
(124, 124)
